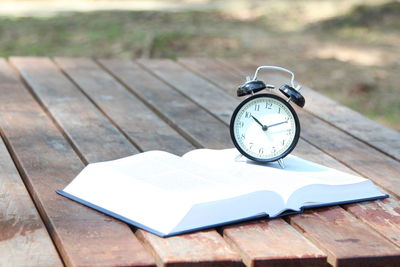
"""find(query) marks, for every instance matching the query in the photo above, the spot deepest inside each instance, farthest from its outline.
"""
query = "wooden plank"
(146, 130)
(211, 251)
(24, 239)
(215, 71)
(129, 73)
(387, 210)
(360, 157)
(192, 86)
(383, 138)
(88, 129)
(345, 239)
(343, 229)
(47, 162)
(254, 240)
(273, 243)
(191, 241)
(192, 122)
(383, 215)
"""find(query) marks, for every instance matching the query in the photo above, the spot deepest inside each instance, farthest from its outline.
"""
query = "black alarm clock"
(265, 127)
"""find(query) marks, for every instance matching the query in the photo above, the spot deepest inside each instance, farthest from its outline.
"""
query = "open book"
(167, 194)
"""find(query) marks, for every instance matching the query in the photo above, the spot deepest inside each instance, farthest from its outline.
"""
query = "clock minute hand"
(264, 127)
(276, 124)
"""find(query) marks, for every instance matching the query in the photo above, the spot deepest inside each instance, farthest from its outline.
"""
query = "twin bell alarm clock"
(265, 127)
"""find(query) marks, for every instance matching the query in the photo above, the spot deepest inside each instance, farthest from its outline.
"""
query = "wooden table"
(57, 115)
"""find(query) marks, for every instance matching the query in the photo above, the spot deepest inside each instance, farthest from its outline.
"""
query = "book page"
(297, 173)
(154, 188)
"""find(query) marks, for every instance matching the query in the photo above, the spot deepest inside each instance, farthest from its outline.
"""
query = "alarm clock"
(265, 127)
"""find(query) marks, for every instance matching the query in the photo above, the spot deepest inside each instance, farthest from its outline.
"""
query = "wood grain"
(381, 215)
(191, 121)
(129, 73)
(89, 130)
(47, 162)
(344, 228)
(140, 124)
(346, 240)
(273, 243)
(360, 157)
(305, 253)
(192, 86)
(23, 237)
(190, 242)
(203, 248)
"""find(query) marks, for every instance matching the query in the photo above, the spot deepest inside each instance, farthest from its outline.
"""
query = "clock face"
(265, 128)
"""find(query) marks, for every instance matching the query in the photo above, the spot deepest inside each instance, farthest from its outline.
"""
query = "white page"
(296, 174)
(153, 188)
(128, 197)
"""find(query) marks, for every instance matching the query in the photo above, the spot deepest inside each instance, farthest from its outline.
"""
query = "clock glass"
(264, 128)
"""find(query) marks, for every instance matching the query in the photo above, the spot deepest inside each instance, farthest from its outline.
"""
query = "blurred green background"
(348, 50)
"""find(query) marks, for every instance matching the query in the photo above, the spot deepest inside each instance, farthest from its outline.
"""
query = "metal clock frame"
(287, 151)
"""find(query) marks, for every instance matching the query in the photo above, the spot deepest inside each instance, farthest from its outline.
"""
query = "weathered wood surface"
(382, 215)
(47, 162)
(96, 82)
(192, 122)
(305, 253)
(147, 131)
(89, 130)
(23, 236)
(346, 227)
(273, 243)
(128, 107)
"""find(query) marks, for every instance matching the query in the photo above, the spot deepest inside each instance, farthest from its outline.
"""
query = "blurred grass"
(352, 56)
(115, 33)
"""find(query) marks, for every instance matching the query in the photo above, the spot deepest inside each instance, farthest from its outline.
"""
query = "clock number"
(279, 110)
(268, 105)
(240, 124)
(289, 132)
(251, 145)
(242, 136)
(257, 107)
(273, 149)
(261, 150)
(283, 142)
(247, 115)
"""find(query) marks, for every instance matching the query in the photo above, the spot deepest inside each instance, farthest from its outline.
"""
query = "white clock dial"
(265, 127)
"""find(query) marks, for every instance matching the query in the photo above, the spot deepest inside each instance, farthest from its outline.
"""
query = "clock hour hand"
(264, 127)
(276, 124)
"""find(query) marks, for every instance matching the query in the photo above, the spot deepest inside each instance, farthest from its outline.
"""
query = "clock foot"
(281, 163)
(238, 157)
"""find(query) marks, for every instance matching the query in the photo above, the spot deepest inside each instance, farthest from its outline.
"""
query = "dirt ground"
(349, 50)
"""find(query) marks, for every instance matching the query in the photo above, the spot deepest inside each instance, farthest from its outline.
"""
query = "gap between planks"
(150, 68)
(48, 113)
(356, 209)
(315, 259)
(300, 111)
(170, 65)
(59, 230)
(187, 136)
(192, 240)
